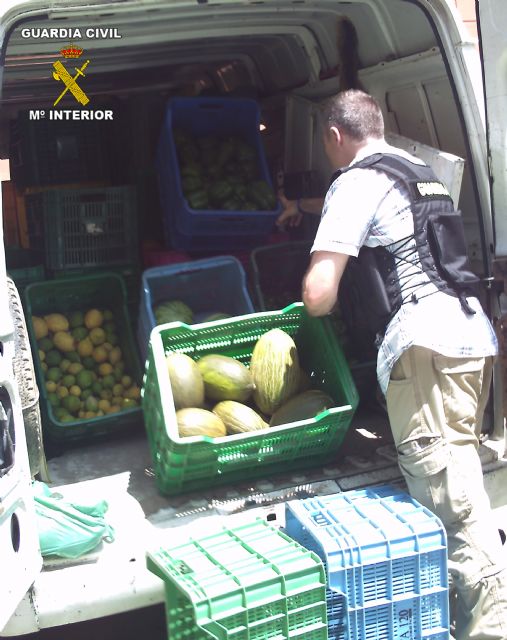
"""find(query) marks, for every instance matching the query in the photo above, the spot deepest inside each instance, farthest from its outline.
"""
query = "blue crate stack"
(386, 562)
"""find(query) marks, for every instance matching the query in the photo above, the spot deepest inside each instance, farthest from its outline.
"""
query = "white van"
(442, 96)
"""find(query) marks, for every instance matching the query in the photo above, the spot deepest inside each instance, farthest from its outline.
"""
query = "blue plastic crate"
(210, 116)
(175, 239)
(211, 285)
(386, 562)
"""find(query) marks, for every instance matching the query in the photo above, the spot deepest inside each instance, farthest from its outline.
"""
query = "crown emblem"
(71, 52)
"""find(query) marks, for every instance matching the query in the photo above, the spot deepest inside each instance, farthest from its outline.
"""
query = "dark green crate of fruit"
(66, 295)
(185, 464)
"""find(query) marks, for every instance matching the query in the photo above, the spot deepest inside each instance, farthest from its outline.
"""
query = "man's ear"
(335, 135)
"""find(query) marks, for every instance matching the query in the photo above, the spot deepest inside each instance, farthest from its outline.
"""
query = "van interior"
(287, 56)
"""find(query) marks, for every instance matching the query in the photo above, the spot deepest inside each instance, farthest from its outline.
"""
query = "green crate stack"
(250, 582)
(101, 291)
(86, 231)
(184, 464)
(85, 227)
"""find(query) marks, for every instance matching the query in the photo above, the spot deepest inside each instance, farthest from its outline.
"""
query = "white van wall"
(417, 103)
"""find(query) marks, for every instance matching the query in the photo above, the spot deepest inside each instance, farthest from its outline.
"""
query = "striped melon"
(275, 370)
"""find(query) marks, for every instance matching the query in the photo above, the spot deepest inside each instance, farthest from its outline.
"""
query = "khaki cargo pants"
(435, 406)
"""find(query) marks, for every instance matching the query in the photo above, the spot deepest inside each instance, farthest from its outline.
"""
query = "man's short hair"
(356, 113)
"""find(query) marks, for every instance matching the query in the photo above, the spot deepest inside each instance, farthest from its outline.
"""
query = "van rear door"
(492, 26)
(20, 559)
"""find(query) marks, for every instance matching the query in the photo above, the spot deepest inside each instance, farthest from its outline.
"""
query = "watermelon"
(173, 311)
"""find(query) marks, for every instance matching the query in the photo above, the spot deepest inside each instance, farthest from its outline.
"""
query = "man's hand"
(290, 214)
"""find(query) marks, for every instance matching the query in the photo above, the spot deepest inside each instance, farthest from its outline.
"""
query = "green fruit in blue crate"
(275, 370)
(173, 311)
(220, 191)
(197, 199)
(262, 194)
(186, 381)
(225, 378)
(303, 406)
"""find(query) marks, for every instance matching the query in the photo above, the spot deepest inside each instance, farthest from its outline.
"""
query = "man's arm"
(321, 281)
(293, 209)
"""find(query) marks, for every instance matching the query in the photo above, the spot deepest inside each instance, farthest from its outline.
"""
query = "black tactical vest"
(372, 293)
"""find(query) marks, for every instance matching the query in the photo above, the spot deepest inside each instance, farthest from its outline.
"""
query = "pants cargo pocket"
(435, 478)
(460, 382)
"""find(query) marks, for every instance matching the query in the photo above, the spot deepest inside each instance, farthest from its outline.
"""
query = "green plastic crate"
(86, 227)
(184, 464)
(130, 273)
(25, 276)
(106, 291)
(250, 582)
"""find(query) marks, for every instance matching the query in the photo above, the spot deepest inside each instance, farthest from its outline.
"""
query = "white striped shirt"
(369, 207)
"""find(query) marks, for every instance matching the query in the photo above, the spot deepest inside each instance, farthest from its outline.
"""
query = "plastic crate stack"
(386, 563)
(209, 229)
(86, 230)
(186, 464)
(250, 582)
(212, 285)
(78, 221)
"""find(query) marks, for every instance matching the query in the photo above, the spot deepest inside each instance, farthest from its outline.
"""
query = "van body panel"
(493, 34)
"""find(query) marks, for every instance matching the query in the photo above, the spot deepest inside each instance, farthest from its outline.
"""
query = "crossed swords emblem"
(61, 73)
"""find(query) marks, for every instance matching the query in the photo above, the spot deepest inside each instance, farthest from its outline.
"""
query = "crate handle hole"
(183, 568)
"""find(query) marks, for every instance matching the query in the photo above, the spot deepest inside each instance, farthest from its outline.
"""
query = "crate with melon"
(244, 397)
(192, 292)
(85, 359)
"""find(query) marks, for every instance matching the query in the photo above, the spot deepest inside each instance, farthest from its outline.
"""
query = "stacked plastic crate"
(383, 565)
(386, 563)
(250, 582)
(80, 210)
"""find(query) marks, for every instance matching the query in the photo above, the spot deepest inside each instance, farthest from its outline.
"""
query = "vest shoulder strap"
(420, 179)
